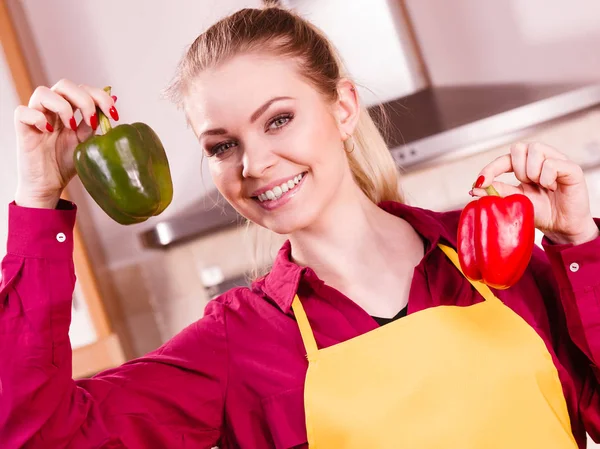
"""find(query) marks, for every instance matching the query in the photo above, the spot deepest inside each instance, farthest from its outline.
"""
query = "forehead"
(242, 84)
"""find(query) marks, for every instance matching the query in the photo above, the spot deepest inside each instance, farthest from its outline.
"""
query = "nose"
(257, 160)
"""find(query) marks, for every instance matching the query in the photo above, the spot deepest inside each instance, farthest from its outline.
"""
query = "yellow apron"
(446, 377)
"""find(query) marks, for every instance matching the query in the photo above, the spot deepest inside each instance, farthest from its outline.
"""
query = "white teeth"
(278, 191)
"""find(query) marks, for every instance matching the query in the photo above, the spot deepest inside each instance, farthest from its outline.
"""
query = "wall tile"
(228, 249)
(134, 295)
(145, 333)
(236, 250)
(178, 313)
(593, 182)
(171, 274)
(445, 185)
(419, 190)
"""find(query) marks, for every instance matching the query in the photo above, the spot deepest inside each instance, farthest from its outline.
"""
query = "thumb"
(84, 131)
(502, 188)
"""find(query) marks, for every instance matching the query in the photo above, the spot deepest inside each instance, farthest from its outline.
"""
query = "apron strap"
(308, 338)
(483, 289)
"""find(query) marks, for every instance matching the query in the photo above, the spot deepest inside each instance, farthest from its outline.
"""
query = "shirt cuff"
(41, 233)
(576, 266)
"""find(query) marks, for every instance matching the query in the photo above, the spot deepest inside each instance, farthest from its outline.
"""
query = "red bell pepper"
(496, 238)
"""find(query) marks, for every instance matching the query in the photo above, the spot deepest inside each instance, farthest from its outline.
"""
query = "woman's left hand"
(555, 185)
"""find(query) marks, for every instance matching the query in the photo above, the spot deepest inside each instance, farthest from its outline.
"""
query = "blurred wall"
(134, 46)
(8, 155)
(496, 41)
(374, 40)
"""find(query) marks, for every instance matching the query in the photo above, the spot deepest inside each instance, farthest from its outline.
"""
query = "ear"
(347, 108)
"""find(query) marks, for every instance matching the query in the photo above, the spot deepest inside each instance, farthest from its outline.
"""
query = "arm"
(572, 295)
(570, 283)
(172, 397)
(577, 272)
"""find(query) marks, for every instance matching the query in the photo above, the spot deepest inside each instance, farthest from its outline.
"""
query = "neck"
(353, 241)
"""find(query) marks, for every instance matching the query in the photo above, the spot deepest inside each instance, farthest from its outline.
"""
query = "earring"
(346, 147)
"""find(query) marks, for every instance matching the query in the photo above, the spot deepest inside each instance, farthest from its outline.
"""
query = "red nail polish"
(479, 182)
(73, 123)
(49, 127)
(114, 97)
(471, 192)
(94, 121)
(113, 113)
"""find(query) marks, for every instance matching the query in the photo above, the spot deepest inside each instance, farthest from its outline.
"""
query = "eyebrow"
(260, 111)
(254, 117)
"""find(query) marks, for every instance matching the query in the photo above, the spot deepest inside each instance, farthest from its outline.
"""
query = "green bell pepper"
(125, 170)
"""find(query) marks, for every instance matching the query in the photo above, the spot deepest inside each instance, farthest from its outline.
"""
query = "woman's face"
(274, 144)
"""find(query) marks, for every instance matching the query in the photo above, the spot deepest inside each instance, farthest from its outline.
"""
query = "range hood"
(209, 214)
(438, 124)
(428, 127)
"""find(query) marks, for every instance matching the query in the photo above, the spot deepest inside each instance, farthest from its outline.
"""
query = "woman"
(315, 351)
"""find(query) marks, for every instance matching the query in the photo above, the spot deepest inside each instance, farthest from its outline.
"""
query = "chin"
(285, 224)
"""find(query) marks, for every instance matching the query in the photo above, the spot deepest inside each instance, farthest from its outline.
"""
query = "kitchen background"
(461, 79)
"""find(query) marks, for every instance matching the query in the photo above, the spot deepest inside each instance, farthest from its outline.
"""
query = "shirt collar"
(282, 282)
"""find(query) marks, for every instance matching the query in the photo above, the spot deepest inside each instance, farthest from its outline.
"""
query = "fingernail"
(479, 182)
(73, 123)
(94, 121)
(114, 97)
(113, 113)
(471, 192)
(49, 127)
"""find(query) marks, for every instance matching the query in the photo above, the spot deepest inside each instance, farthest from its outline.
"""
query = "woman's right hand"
(47, 135)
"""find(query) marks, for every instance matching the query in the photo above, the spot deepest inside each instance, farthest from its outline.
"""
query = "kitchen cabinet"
(95, 346)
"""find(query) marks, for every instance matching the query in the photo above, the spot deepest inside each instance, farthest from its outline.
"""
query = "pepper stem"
(102, 118)
(491, 191)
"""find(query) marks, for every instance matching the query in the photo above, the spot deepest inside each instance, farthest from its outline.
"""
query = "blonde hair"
(283, 33)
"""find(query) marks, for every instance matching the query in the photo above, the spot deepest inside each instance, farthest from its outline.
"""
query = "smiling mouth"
(281, 190)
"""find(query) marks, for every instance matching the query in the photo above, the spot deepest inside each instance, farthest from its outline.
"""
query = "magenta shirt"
(235, 377)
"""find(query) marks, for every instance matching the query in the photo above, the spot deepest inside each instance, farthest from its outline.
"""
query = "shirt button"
(61, 237)
(574, 267)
